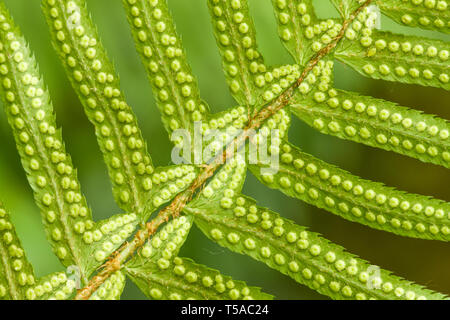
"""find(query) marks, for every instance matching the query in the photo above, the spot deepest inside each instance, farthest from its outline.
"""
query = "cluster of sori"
(320, 77)
(415, 47)
(168, 182)
(111, 289)
(209, 137)
(227, 183)
(373, 121)
(264, 144)
(109, 234)
(164, 246)
(56, 286)
(277, 80)
(102, 239)
(234, 118)
(220, 130)
(426, 14)
(162, 54)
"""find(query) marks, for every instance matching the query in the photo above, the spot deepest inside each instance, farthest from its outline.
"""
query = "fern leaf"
(165, 245)
(48, 167)
(236, 117)
(93, 77)
(274, 81)
(220, 210)
(377, 123)
(111, 289)
(309, 179)
(16, 273)
(299, 28)
(302, 255)
(187, 280)
(387, 56)
(433, 15)
(236, 38)
(174, 86)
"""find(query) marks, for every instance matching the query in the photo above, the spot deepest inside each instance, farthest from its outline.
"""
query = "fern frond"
(112, 288)
(48, 167)
(16, 273)
(242, 63)
(433, 15)
(174, 86)
(377, 123)
(392, 57)
(210, 194)
(92, 75)
(224, 186)
(302, 255)
(370, 203)
(298, 28)
(187, 280)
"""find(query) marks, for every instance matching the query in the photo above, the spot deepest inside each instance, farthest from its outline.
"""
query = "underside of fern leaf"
(160, 204)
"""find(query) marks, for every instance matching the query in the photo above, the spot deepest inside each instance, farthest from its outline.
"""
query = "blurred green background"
(426, 262)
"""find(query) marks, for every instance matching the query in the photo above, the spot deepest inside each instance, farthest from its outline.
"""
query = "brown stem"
(180, 201)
